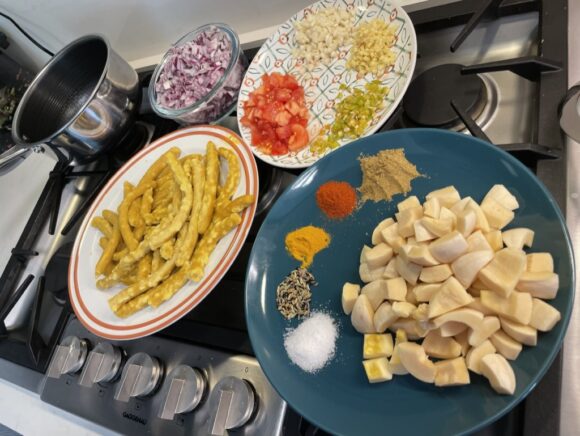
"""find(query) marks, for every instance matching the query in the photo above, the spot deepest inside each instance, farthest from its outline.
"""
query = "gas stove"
(156, 387)
(496, 70)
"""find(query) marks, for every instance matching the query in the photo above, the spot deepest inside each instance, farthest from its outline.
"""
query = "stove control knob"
(232, 401)
(183, 390)
(102, 366)
(68, 357)
(140, 377)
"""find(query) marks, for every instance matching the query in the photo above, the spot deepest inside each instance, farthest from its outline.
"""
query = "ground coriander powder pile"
(386, 174)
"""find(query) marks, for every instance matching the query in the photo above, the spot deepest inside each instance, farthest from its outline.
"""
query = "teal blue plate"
(338, 398)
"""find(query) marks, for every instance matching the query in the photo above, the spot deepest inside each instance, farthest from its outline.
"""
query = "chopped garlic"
(320, 35)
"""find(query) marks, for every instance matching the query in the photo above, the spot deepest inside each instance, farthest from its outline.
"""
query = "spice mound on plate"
(293, 294)
(336, 199)
(386, 174)
(312, 344)
(305, 242)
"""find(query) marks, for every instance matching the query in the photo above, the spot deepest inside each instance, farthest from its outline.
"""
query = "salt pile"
(312, 344)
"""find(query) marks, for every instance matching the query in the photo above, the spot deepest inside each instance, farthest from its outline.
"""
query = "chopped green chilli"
(354, 113)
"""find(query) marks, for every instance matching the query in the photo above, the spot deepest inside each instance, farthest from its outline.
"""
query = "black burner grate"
(37, 347)
(428, 99)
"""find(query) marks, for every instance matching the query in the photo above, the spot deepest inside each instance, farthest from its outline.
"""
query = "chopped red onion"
(191, 72)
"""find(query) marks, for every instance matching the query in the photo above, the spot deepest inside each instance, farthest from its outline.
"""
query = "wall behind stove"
(136, 28)
(140, 30)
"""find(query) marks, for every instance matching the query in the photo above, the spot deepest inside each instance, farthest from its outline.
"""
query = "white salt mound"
(311, 345)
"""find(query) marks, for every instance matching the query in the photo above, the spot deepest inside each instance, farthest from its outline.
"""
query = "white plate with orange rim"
(91, 304)
(321, 83)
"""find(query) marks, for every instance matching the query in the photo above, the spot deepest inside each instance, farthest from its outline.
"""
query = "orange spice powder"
(336, 199)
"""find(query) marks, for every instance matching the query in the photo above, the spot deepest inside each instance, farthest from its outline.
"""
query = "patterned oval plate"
(321, 84)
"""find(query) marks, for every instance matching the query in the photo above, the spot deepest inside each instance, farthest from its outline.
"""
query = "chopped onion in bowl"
(192, 70)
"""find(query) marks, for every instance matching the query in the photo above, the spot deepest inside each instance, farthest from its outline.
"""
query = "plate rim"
(306, 413)
(396, 102)
(163, 320)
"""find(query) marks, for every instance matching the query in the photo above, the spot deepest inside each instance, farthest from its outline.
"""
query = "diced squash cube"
(451, 372)
(544, 316)
(407, 218)
(408, 203)
(502, 274)
(377, 345)
(447, 196)
(539, 262)
(439, 347)
(378, 256)
(350, 292)
(376, 236)
(377, 370)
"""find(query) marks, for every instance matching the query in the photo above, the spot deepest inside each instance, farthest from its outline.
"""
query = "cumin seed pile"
(293, 294)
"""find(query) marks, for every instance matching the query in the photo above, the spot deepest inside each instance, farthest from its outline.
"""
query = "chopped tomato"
(283, 118)
(279, 148)
(292, 83)
(283, 95)
(298, 94)
(299, 120)
(271, 110)
(293, 107)
(299, 138)
(265, 84)
(277, 115)
(277, 80)
(284, 132)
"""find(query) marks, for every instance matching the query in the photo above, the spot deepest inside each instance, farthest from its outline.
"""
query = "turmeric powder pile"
(305, 242)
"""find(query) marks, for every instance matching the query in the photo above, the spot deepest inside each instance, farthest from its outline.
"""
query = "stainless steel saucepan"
(81, 103)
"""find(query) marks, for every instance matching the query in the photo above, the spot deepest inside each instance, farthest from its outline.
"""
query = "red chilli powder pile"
(336, 199)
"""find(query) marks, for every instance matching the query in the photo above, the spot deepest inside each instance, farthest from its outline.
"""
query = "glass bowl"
(221, 100)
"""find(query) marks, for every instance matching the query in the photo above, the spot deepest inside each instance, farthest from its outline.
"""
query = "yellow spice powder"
(386, 174)
(305, 242)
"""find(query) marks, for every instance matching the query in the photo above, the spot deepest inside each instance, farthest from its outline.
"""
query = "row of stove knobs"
(232, 399)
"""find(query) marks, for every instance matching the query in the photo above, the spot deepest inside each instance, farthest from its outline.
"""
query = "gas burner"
(428, 100)
(138, 137)
(55, 274)
(270, 186)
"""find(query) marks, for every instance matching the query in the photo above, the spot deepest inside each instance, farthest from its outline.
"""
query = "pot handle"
(569, 113)
(9, 157)
(15, 155)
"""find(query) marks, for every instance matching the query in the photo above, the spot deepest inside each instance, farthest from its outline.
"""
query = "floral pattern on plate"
(321, 83)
